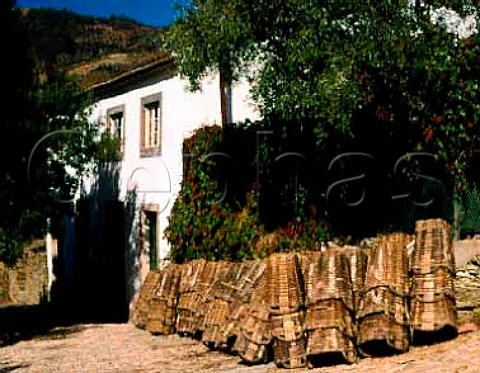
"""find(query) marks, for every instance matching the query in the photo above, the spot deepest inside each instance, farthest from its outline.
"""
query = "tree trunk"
(223, 98)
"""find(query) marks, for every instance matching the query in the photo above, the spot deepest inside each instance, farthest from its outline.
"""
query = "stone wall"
(468, 294)
(467, 284)
(27, 281)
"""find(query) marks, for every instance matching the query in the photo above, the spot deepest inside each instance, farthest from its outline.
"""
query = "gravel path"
(123, 348)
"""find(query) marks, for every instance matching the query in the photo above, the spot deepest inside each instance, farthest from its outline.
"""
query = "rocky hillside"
(95, 49)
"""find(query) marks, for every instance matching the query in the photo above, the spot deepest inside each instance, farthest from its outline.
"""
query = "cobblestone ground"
(123, 348)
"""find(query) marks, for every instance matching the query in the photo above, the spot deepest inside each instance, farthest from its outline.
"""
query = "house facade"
(151, 111)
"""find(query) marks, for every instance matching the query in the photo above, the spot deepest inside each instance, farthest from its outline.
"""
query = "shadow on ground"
(6, 367)
(36, 322)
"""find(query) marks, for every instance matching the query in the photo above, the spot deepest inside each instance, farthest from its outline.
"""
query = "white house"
(152, 111)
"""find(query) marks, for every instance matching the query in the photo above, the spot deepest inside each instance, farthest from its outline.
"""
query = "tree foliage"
(347, 67)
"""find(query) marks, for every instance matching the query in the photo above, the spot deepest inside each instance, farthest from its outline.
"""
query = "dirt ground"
(124, 348)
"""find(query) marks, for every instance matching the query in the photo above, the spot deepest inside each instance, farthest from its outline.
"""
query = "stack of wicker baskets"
(330, 305)
(433, 273)
(241, 289)
(217, 305)
(286, 300)
(252, 325)
(163, 303)
(141, 309)
(358, 263)
(211, 273)
(189, 298)
(383, 318)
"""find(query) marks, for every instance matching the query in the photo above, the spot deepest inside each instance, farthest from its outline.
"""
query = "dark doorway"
(113, 273)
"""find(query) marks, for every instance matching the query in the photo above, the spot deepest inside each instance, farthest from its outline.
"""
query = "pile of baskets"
(156, 306)
(433, 273)
(383, 317)
(310, 308)
(190, 298)
(252, 327)
(358, 260)
(218, 304)
(228, 301)
(141, 310)
(163, 302)
(330, 306)
(286, 301)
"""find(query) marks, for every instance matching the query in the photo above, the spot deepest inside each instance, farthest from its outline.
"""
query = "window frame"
(147, 150)
(113, 131)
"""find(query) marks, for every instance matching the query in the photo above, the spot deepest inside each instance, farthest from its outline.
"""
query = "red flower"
(428, 135)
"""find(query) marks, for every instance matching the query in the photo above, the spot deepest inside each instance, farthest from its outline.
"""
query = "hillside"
(95, 49)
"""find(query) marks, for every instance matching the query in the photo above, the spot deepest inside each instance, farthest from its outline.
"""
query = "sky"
(150, 12)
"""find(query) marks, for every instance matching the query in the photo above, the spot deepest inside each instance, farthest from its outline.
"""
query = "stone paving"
(123, 348)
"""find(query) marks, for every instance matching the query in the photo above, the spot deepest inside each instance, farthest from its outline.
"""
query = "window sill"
(150, 152)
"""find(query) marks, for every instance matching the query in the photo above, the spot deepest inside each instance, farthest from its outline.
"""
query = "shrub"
(203, 223)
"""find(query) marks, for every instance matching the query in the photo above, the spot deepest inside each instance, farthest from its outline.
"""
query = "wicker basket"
(167, 286)
(236, 271)
(379, 334)
(211, 272)
(187, 322)
(433, 247)
(433, 316)
(232, 329)
(431, 287)
(382, 300)
(256, 325)
(249, 281)
(161, 318)
(255, 335)
(305, 259)
(189, 312)
(358, 259)
(290, 354)
(254, 295)
(285, 283)
(329, 278)
(433, 267)
(330, 314)
(189, 275)
(140, 309)
(288, 327)
(309, 305)
(254, 332)
(252, 353)
(388, 264)
(330, 341)
(215, 323)
(163, 302)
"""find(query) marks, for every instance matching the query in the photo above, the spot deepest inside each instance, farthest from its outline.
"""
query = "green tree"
(348, 70)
